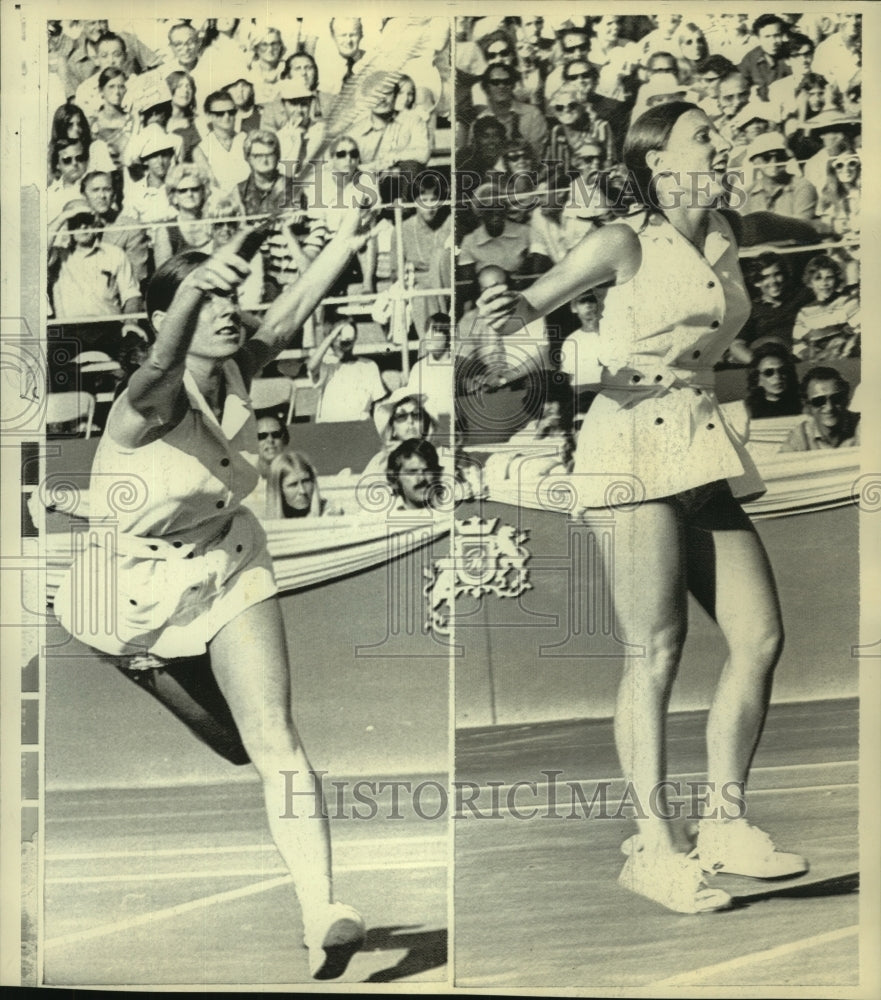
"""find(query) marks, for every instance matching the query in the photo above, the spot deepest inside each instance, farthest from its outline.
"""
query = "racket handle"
(255, 239)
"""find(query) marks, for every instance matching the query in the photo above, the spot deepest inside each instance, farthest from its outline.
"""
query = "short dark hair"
(591, 69)
(822, 373)
(715, 64)
(412, 448)
(765, 20)
(164, 284)
(513, 75)
(111, 36)
(215, 95)
(798, 41)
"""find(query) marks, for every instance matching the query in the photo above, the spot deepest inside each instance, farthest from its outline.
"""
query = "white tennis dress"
(171, 555)
(655, 428)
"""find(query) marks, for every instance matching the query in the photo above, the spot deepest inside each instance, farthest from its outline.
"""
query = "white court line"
(173, 852)
(234, 872)
(170, 911)
(205, 901)
(688, 978)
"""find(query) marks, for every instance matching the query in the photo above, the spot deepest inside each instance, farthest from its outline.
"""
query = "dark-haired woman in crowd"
(182, 120)
(113, 123)
(772, 383)
(190, 565)
(657, 453)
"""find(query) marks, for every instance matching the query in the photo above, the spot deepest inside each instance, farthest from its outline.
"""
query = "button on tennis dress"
(655, 428)
(172, 556)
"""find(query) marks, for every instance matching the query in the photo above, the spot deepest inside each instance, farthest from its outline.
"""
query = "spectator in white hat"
(147, 198)
(770, 184)
(299, 137)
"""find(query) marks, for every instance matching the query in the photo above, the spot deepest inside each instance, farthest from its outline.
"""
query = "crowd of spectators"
(542, 111)
(171, 135)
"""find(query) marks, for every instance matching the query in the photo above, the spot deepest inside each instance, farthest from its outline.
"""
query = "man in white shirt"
(110, 53)
(839, 56)
(350, 386)
(432, 375)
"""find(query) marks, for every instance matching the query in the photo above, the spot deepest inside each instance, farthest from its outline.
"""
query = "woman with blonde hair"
(187, 185)
(292, 489)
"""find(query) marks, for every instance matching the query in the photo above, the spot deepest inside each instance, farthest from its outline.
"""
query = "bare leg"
(650, 596)
(730, 575)
(250, 660)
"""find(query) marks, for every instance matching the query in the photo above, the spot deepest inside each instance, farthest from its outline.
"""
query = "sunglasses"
(579, 76)
(403, 415)
(774, 156)
(80, 158)
(225, 113)
(771, 372)
(190, 190)
(571, 106)
(351, 154)
(495, 53)
(275, 435)
(836, 399)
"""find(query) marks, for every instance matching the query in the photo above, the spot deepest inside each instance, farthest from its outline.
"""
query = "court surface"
(177, 886)
(537, 902)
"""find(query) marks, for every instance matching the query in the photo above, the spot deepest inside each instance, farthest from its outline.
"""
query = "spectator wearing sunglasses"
(584, 77)
(573, 127)
(68, 161)
(403, 416)
(838, 133)
(273, 438)
(770, 185)
(520, 121)
(188, 188)
(839, 205)
(828, 423)
(772, 383)
(221, 153)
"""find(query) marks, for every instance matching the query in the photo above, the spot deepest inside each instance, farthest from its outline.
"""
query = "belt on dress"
(146, 547)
